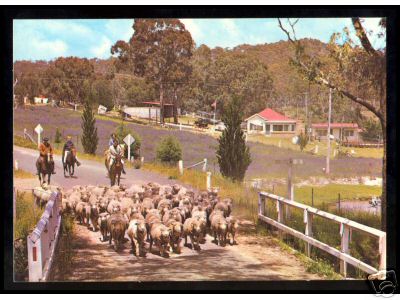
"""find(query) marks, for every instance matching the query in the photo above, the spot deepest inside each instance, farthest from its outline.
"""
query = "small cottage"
(341, 131)
(270, 122)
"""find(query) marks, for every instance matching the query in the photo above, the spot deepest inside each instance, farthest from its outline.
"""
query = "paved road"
(90, 172)
(254, 258)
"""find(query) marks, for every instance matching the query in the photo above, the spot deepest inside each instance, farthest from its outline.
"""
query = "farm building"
(149, 110)
(101, 110)
(341, 131)
(40, 100)
(270, 122)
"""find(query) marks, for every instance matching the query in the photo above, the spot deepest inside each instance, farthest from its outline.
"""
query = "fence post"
(209, 181)
(34, 259)
(382, 253)
(205, 165)
(142, 159)
(344, 246)
(339, 201)
(312, 197)
(180, 166)
(308, 218)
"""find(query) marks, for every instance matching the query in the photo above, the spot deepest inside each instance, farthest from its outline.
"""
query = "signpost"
(129, 140)
(39, 130)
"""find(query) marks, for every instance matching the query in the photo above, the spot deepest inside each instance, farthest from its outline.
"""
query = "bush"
(57, 138)
(89, 138)
(137, 164)
(169, 150)
(303, 141)
(121, 132)
(372, 130)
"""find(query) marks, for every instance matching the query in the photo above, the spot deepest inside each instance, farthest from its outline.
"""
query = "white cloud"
(103, 49)
(121, 30)
(230, 26)
(193, 28)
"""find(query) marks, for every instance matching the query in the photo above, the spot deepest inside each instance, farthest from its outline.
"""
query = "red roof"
(156, 103)
(271, 115)
(335, 125)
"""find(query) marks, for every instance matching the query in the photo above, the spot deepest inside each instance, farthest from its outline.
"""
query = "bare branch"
(362, 35)
(285, 31)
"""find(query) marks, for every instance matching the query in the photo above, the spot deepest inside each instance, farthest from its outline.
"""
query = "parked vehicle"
(220, 126)
(201, 123)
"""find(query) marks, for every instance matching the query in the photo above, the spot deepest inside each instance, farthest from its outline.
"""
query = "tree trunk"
(383, 199)
(161, 103)
(175, 108)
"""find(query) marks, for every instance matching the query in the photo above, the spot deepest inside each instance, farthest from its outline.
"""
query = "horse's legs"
(48, 181)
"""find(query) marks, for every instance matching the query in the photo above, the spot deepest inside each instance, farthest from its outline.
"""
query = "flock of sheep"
(160, 215)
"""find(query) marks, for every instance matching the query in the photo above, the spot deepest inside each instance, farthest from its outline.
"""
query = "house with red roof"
(341, 131)
(270, 122)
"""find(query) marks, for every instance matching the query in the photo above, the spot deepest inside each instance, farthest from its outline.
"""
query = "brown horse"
(69, 164)
(115, 170)
(44, 167)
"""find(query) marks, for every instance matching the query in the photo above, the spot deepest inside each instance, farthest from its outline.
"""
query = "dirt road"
(254, 258)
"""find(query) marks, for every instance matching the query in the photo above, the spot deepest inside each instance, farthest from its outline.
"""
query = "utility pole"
(306, 107)
(329, 132)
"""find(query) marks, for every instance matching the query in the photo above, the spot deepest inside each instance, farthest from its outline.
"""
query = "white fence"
(43, 240)
(346, 227)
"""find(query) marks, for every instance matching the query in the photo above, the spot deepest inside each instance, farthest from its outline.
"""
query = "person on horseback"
(69, 146)
(45, 149)
(113, 137)
(116, 149)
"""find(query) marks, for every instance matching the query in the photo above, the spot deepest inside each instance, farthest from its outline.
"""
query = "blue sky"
(48, 39)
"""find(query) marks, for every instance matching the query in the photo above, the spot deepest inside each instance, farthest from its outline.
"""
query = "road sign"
(129, 140)
(39, 130)
(295, 140)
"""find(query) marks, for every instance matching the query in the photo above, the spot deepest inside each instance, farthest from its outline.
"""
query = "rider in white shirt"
(116, 149)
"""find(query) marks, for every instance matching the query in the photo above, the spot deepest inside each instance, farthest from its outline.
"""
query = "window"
(348, 133)
(322, 132)
(255, 127)
(285, 127)
(278, 127)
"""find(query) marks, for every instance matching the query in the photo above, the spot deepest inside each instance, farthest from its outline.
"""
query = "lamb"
(160, 236)
(137, 232)
(102, 221)
(176, 229)
(232, 228)
(219, 228)
(116, 226)
(94, 215)
(192, 228)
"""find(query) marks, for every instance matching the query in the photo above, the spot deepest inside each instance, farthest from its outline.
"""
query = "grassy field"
(21, 174)
(196, 146)
(286, 143)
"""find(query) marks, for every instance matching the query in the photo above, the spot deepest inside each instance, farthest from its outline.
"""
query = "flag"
(214, 104)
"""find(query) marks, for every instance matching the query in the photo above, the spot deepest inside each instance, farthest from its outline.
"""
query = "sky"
(49, 39)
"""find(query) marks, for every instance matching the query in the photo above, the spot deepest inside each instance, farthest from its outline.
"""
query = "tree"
(121, 132)
(57, 137)
(233, 154)
(347, 62)
(169, 150)
(89, 137)
(159, 50)
(303, 140)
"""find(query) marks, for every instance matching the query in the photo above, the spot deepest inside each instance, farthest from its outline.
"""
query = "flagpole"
(215, 109)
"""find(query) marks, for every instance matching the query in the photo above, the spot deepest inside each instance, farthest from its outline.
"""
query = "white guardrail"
(42, 241)
(346, 227)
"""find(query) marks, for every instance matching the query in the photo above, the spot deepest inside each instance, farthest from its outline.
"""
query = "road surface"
(254, 258)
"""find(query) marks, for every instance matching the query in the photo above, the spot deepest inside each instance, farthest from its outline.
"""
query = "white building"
(40, 100)
(270, 122)
(101, 110)
(348, 132)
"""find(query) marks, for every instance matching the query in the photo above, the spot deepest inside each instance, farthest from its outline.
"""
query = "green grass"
(328, 194)
(286, 143)
(21, 174)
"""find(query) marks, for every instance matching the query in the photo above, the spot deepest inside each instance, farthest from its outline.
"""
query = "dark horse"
(69, 164)
(46, 167)
(115, 170)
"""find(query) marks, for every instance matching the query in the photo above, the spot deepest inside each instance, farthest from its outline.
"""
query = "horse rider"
(116, 149)
(45, 149)
(113, 137)
(69, 146)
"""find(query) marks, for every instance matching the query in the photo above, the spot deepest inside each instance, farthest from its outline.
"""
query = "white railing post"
(308, 218)
(35, 260)
(344, 247)
(209, 181)
(261, 204)
(205, 165)
(180, 166)
(382, 253)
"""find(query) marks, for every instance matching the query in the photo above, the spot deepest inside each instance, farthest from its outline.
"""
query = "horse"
(44, 168)
(69, 163)
(115, 170)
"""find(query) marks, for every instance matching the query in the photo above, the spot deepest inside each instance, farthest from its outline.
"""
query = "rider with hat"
(69, 146)
(45, 149)
(116, 149)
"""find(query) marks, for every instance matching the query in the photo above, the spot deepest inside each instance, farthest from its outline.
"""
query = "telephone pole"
(329, 133)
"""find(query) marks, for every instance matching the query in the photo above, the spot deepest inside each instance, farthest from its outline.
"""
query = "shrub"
(372, 130)
(137, 164)
(89, 138)
(169, 150)
(57, 137)
(122, 131)
(303, 141)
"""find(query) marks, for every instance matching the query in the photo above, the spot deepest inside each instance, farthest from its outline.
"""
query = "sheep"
(175, 189)
(67, 206)
(175, 201)
(116, 226)
(126, 203)
(113, 206)
(156, 200)
(173, 214)
(94, 215)
(93, 199)
(80, 211)
(152, 217)
(222, 207)
(87, 212)
(201, 216)
(147, 204)
(176, 229)
(219, 228)
(41, 196)
(185, 212)
(229, 203)
(160, 236)
(136, 215)
(102, 221)
(232, 228)
(98, 191)
(137, 231)
(103, 205)
(163, 206)
(191, 228)
(115, 188)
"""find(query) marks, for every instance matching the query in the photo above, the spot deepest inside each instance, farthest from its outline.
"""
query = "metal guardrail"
(42, 241)
(346, 227)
